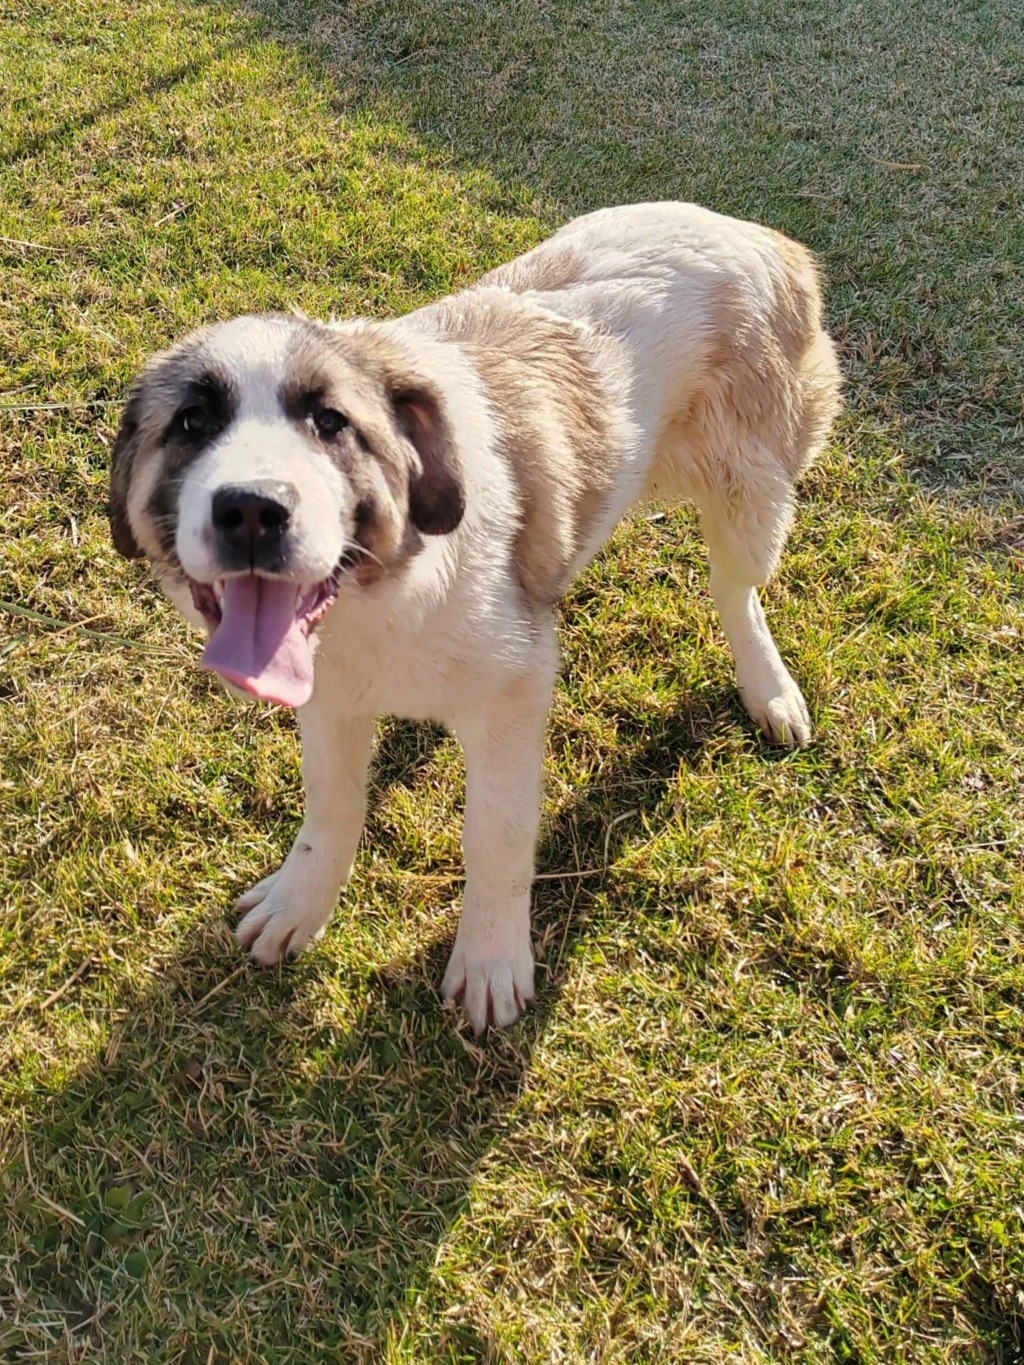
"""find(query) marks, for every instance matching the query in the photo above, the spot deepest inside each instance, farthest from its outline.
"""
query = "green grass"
(769, 1104)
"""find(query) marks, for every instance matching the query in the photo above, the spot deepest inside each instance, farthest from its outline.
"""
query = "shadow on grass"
(568, 109)
(229, 1130)
(81, 122)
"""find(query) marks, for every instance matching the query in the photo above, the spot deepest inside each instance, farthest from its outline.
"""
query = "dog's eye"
(327, 422)
(193, 421)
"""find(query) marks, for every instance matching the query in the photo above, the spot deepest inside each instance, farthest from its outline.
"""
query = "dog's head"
(264, 464)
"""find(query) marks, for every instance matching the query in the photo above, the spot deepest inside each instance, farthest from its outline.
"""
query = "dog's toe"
(787, 720)
(280, 925)
(248, 900)
(275, 936)
(491, 990)
(782, 716)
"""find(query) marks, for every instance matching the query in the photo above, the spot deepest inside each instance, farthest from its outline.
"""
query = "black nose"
(253, 517)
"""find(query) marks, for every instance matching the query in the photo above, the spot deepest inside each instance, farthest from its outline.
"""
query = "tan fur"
(769, 393)
(546, 268)
(355, 373)
(153, 400)
(749, 416)
(797, 314)
(554, 426)
(494, 441)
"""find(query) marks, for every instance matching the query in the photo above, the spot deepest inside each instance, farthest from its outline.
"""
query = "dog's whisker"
(364, 553)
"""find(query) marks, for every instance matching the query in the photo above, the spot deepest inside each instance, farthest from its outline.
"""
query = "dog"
(373, 518)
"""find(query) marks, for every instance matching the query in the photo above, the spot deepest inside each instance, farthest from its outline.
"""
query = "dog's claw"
(492, 987)
(246, 943)
(284, 914)
(783, 716)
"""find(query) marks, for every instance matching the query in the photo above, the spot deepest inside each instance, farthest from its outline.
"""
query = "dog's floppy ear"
(121, 462)
(437, 498)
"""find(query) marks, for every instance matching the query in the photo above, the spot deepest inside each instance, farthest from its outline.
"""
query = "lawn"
(769, 1104)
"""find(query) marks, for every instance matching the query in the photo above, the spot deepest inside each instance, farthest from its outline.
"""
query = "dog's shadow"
(235, 1119)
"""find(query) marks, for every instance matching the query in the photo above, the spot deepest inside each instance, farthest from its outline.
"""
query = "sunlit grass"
(768, 1106)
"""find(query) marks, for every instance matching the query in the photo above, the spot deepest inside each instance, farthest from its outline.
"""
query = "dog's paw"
(283, 916)
(490, 974)
(782, 714)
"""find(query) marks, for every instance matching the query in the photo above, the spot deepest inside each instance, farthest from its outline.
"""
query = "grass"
(769, 1104)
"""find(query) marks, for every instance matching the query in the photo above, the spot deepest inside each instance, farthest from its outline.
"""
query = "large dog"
(378, 517)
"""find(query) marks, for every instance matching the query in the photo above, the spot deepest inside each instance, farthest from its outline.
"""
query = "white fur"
(449, 640)
(261, 444)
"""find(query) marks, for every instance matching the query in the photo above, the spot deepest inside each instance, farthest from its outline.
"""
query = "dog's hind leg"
(745, 518)
(769, 693)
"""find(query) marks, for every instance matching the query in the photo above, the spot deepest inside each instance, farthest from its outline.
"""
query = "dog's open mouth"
(261, 628)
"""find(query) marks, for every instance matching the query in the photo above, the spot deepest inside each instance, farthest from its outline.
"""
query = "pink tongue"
(259, 643)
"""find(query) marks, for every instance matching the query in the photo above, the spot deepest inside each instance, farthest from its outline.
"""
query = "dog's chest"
(383, 670)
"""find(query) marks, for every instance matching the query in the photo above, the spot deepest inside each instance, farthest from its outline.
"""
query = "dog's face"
(263, 464)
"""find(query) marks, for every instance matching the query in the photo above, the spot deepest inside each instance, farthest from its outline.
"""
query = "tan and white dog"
(377, 518)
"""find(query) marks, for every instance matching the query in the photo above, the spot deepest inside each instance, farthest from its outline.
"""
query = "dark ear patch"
(437, 499)
(121, 461)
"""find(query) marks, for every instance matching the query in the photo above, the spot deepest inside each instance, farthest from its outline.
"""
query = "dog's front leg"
(491, 968)
(289, 910)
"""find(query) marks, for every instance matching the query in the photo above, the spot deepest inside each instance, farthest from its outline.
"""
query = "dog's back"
(409, 498)
(705, 334)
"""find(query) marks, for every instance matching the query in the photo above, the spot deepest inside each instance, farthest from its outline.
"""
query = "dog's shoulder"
(555, 422)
